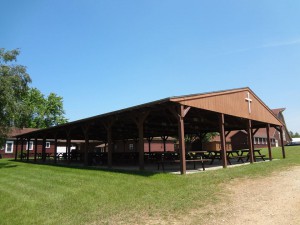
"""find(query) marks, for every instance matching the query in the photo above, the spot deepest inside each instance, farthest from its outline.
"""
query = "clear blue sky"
(107, 55)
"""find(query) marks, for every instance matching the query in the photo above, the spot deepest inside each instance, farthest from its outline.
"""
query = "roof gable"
(232, 102)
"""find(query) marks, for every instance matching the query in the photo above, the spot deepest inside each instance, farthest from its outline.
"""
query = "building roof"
(19, 131)
(202, 110)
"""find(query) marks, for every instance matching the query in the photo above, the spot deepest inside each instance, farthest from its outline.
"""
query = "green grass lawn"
(45, 194)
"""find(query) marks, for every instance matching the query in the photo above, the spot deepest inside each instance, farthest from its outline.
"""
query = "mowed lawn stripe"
(45, 194)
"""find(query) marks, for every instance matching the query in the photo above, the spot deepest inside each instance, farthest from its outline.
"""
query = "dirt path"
(264, 201)
(271, 200)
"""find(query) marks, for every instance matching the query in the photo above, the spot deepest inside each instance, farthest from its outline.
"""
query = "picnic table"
(230, 154)
(192, 156)
(257, 154)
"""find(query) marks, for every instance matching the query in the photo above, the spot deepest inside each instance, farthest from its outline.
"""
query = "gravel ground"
(271, 200)
(264, 201)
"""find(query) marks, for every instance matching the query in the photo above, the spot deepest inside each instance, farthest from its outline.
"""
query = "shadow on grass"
(7, 165)
(129, 171)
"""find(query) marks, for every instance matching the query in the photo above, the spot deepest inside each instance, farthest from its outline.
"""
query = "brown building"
(161, 144)
(221, 111)
(236, 140)
(9, 148)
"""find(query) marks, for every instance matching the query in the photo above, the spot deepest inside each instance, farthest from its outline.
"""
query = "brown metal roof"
(202, 117)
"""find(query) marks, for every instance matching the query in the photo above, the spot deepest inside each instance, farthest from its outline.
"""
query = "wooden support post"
(86, 149)
(180, 112)
(124, 144)
(249, 131)
(282, 143)
(141, 145)
(17, 146)
(164, 138)
(85, 130)
(139, 120)
(269, 142)
(44, 149)
(69, 149)
(181, 135)
(28, 145)
(149, 139)
(223, 139)
(35, 148)
(110, 147)
(253, 133)
(55, 148)
(68, 132)
(22, 147)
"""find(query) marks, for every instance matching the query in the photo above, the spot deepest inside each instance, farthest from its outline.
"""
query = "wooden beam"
(227, 133)
(35, 148)
(180, 118)
(22, 147)
(223, 139)
(255, 131)
(68, 131)
(269, 142)
(186, 110)
(17, 146)
(175, 112)
(108, 126)
(28, 144)
(55, 148)
(249, 131)
(44, 149)
(282, 144)
(141, 145)
(149, 139)
(164, 138)
(139, 120)
(85, 130)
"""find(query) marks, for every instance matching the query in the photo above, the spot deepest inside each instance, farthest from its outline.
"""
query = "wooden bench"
(162, 162)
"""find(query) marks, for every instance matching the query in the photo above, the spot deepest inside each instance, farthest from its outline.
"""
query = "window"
(255, 140)
(30, 145)
(258, 142)
(47, 144)
(131, 147)
(9, 147)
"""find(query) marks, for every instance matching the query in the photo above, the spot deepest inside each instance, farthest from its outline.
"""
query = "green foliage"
(20, 105)
(294, 135)
(41, 111)
(205, 137)
(14, 82)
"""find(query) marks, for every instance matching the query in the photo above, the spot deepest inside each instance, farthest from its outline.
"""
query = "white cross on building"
(249, 100)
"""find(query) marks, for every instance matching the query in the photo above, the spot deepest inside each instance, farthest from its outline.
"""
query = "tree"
(14, 81)
(294, 135)
(20, 105)
(41, 112)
